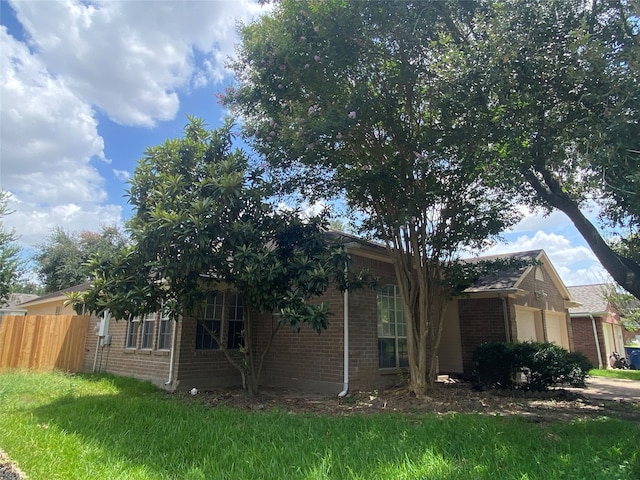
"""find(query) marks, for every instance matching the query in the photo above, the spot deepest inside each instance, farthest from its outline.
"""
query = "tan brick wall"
(315, 361)
(305, 359)
(151, 365)
(201, 368)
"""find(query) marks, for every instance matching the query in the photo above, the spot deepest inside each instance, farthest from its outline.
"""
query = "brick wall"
(584, 341)
(305, 359)
(151, 365)
(201, 368)
(481, 320)
(314, 361)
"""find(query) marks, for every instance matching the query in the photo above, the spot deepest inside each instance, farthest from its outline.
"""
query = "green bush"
(495, 364)
(543, 365)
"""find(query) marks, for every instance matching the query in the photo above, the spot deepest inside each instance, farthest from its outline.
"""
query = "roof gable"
(592, 297)
(510, 280)
(506, 279)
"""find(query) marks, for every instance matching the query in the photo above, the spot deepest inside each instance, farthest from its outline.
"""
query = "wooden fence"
(43, 342)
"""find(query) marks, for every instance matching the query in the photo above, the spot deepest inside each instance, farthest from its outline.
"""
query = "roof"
(55, 295)
(592, 297)
(16, 299)
(506, 279)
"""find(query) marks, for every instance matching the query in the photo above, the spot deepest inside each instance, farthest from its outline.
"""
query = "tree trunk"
(424, 308)
(623, 270)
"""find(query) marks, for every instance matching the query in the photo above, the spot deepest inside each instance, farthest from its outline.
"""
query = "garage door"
(556, 324)
(526, 325)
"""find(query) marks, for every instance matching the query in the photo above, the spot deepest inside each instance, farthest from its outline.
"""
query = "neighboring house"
(596, 324)
(12, 307)
(364, 346)
(52, 303)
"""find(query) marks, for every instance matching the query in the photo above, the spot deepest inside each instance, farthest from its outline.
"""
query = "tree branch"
(624, 271)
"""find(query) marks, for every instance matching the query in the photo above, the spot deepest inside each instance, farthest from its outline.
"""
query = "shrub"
(494, 362)
(543, 365)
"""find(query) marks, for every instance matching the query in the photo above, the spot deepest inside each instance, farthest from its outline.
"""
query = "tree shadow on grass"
(152, 435)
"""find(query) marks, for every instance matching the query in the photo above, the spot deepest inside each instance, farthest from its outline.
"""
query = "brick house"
(597, 328)
(364, 346)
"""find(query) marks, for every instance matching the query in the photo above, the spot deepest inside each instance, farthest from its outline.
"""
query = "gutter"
(345, 323)
(345, 385)
(595, 336)
(173, 352)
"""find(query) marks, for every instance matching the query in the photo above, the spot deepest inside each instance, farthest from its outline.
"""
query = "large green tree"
(361, 99)
(203, 224)
(9, 254)
(560, 80)
(61, 260)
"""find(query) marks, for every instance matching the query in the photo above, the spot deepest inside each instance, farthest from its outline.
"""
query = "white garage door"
(526, 325)
(557, 329)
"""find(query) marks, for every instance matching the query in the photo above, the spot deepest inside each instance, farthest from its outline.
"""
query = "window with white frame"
(392, 329)
(131, 340)
(165, 329)
(148, 326)
(224, 318)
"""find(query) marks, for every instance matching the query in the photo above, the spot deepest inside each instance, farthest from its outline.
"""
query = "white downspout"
(100, 328)
(345, 386)
(595, 336)
(95, 358)
(173, 352)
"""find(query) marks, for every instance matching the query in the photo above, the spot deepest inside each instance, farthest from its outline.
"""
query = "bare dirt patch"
(552, 406)
(9, 470)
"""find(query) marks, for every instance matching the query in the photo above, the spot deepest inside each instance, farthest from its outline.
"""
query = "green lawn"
(628, 374)
(100, 427)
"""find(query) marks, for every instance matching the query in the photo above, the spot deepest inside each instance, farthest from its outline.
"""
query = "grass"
(626, 374)
(85, 427)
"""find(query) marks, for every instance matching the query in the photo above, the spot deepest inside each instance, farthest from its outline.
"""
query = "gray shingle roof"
(592, 298)
(16, 299)
(504, 280)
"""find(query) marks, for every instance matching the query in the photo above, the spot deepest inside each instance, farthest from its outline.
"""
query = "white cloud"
(534, 220)
(49, 135)
(128, 59)
(307, 210)
(122, 175)
(34, 222)
(131, 58)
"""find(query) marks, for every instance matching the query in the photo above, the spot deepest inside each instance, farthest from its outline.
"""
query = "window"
(210, 324)
(392, 331)
(148, 324)
(236, 321)
(132, 333)
(214, 321)
(165, 329)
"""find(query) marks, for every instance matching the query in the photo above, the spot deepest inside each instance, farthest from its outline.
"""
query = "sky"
(86, 86)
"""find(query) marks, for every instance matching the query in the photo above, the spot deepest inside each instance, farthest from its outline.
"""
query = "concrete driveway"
(604, 388)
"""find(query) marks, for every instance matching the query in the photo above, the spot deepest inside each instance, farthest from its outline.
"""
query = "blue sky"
(86, 86)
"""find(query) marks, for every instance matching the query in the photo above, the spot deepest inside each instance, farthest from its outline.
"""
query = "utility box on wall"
(103, 324)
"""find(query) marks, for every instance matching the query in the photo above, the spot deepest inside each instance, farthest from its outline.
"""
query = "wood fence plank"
(43, 342)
